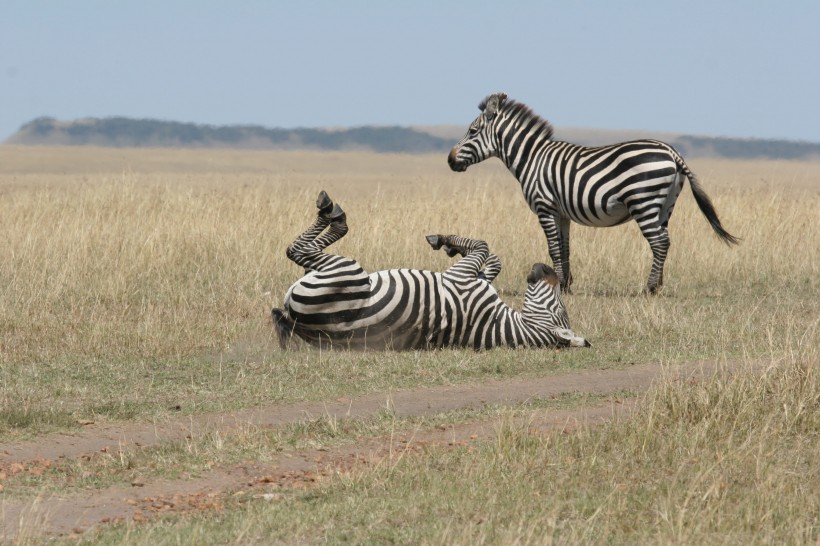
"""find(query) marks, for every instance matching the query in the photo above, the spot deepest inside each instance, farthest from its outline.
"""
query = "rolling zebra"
(600, 187)
(338, 304)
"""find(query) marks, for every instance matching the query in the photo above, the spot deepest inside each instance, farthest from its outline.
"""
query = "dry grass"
(136, 279)
(728, 461)
(158, 263)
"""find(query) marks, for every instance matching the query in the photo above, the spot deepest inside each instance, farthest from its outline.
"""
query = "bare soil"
(67, 515)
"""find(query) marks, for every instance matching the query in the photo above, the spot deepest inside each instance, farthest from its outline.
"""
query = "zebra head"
(480, 141)
(544, 307)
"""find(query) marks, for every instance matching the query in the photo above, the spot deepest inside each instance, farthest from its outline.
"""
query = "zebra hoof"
(324, 203)
(336, 215)
(434, 241)
(451, 252)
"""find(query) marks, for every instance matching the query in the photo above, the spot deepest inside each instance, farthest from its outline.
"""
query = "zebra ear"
(494, 103)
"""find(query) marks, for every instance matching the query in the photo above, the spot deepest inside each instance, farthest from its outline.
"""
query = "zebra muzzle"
(454, 163)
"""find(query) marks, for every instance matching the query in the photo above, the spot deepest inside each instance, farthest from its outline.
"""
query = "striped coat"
(339, 304)
(593, 186)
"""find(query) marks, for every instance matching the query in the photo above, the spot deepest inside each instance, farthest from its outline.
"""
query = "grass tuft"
(25, 418)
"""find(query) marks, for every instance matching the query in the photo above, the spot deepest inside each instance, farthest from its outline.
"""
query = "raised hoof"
(451, 252)
(336, 215)
(324, 203)
(434, 241)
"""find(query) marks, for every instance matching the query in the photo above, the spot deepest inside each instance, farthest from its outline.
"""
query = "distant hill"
(128, 132)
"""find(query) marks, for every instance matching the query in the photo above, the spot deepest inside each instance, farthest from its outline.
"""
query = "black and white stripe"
(594, 186)
(337, 303)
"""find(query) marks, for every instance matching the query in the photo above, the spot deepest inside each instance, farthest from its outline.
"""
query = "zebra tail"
(284, 327)
(705, 204)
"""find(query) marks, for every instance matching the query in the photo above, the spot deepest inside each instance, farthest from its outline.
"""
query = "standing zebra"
(599, 187)
(338, 303)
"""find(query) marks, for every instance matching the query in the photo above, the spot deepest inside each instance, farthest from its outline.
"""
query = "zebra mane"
(523, 112)
(483, 104)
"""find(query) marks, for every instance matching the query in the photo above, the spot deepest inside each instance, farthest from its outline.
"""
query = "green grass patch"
(196, 455)
(730, 460)
(13, 420)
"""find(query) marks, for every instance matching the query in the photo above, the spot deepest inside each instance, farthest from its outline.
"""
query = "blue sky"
(733, 68)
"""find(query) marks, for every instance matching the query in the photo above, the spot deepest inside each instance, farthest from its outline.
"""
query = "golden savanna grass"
(169, 262)
(174, 259)
(132, 281)
(182, 253)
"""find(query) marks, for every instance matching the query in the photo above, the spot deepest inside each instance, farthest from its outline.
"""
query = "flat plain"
(135, 292)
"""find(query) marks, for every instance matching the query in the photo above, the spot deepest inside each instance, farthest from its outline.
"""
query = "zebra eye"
(474, 129)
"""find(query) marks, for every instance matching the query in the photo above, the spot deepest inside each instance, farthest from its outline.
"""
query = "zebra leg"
(551, 225)
(307, 249)
(564, 242)
(492, 267)
(475, 254)
(336, 218)
(446, 243)
(659, 243)
(336, 230)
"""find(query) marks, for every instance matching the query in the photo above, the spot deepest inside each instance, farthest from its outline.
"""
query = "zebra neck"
(541, 309)
(506, 311)
(514, 329)
(523, 143)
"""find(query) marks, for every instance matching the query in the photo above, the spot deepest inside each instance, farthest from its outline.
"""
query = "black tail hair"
(706, 206)
(283, 326)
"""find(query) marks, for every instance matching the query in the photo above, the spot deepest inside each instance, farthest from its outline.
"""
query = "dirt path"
(78, 513)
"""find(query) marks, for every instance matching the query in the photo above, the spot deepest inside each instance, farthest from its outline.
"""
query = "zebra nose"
(451, 158)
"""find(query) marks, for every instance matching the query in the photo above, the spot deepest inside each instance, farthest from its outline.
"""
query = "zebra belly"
(615, 213)
(470, 311)
(399, 310)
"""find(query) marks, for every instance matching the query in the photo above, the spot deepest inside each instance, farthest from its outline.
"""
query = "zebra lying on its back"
(338, 303)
